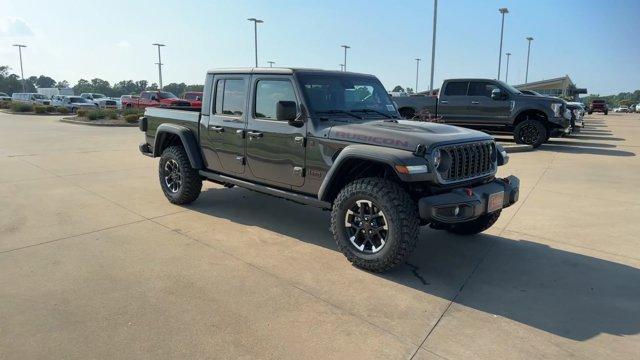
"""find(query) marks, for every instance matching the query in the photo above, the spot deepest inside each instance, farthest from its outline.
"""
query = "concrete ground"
(95, 263)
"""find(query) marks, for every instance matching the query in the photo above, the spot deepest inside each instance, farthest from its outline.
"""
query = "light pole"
(344, 65)
(502, 11)
(24, 84)
(526, 74)
(506, 76)
(417, 71)
(271, 63)
(433, 42)
(159, 64)
(255, 35)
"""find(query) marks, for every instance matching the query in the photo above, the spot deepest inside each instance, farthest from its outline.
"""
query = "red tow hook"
(469, 192)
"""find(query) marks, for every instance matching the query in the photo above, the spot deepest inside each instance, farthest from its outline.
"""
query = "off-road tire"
(475, 226)
(400, 213)
(191, 183)
(520, 137)
(589, 112)
(606, 113)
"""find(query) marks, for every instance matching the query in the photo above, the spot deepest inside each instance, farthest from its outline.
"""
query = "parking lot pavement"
(94, 262)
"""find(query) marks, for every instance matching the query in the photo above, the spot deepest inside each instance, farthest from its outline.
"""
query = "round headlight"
(437, 158)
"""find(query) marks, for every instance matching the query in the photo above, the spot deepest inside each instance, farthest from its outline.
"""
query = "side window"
(481, 88)
(233, 97)
(456, 88)
(268, 93)
(219, 96)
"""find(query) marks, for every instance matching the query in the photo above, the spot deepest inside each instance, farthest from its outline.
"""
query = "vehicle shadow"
(588, 137)
(578, 149)
(561, 292)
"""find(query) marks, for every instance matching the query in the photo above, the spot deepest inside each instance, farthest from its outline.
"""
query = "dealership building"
(562, 86)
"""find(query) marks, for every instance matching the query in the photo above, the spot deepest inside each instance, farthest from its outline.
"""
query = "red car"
(598, 105)
(194, 97)
(155, 99)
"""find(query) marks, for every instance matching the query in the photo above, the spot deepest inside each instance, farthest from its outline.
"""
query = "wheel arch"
(170, 134)
(358, 161)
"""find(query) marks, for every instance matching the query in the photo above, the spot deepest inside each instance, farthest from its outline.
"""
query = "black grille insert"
(467, 161)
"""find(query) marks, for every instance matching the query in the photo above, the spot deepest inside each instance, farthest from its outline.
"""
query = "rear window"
(456, 88)
(230, 96)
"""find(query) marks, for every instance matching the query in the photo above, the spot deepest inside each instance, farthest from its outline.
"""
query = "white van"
(30, 98)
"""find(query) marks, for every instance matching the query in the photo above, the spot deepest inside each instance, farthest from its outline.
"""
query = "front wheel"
(180, 182)
(477, 225)
(375, 223)
(530, 132)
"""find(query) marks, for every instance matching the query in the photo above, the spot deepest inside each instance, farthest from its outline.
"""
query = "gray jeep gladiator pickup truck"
(493, 106)
(332, 140)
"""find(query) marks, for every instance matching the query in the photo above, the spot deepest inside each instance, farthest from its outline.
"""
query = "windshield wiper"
(339, 112)
(374, 112)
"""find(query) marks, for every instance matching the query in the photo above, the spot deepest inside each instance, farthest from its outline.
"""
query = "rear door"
(275, 149)
(482, 108)
(453, 101)
(227, 121)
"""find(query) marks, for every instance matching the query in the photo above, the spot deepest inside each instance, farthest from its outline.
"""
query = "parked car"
(4, 97)
(155, 99)
(577, 115)
(633, 108)
(75, 103)
(332, 140)
(493, 106)
(621, 109)
(598, 105)
(194, 98)
(31, 98)
(100, 100)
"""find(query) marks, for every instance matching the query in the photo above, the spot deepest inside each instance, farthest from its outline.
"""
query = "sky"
(596, 43)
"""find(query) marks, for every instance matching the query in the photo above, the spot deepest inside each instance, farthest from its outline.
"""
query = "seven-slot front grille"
(468, 161)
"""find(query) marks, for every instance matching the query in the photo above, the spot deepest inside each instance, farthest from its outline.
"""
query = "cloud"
(14, 27)
(123, 44)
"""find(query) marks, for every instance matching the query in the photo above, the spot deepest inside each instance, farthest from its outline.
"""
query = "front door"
(485, 109)
(226, 126)
(453, 102)
(275, 149)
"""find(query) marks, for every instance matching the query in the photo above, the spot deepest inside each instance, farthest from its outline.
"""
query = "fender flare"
(386, 156)
(188, 139)
(531, 108)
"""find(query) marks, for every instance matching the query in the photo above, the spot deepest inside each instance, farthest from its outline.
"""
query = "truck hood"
(403, 134)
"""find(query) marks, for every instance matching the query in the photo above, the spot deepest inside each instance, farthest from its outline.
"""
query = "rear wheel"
(180, 182)
(477, 225)
(375, 223)
(530, 132)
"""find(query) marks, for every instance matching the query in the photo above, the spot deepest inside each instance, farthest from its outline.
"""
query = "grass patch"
(131, 118)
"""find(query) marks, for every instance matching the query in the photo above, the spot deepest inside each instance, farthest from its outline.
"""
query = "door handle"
(240, 133)
(299, 140)
(218, 129)
(254, 134)
(444, 102)
(475, 102)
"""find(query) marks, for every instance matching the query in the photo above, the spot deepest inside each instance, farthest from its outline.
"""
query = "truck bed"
(156, 116)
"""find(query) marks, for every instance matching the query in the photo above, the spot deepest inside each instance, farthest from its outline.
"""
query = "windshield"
(98, 96)
(363, 96)
(510, 88)
(166, 95)
(77, 100)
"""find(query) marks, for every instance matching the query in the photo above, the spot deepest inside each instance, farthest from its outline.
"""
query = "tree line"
(10, 83)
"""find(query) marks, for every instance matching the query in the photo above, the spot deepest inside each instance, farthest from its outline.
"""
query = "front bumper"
(469, 202)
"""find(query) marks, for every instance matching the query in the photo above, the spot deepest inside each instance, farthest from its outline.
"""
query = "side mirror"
(496, 94)
(287, 111)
